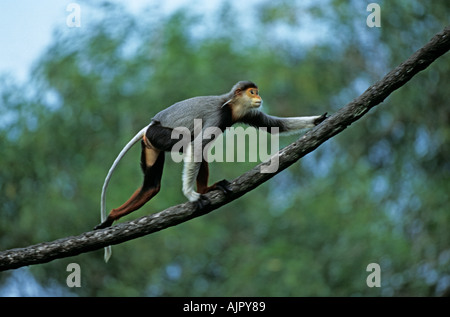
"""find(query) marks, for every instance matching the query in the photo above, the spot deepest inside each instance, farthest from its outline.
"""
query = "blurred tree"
(376, 193)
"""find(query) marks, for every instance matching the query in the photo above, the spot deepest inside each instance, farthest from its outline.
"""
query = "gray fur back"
(183, 113)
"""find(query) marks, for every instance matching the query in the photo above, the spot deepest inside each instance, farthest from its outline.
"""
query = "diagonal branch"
(94, 240)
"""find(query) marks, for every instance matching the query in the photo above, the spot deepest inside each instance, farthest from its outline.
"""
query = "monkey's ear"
(237, 91)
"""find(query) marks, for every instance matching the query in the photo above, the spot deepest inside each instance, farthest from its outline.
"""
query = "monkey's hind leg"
(152, 163)
(202, 183)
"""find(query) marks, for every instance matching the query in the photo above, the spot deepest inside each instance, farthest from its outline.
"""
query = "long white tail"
(122, 153)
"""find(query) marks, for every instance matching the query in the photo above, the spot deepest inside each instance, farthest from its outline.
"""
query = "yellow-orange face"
(244, 101)
(255, 98)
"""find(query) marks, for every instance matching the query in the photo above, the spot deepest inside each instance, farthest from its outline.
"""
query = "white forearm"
(190, 172)
(298, 123)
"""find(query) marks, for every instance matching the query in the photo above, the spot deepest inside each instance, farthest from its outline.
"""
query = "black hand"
(104, 224)
(224, 186)
(202, 202)
(321, 118)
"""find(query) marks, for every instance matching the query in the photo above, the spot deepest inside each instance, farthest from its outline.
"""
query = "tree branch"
(93, 240)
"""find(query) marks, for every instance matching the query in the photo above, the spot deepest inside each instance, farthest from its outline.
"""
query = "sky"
(26, 28)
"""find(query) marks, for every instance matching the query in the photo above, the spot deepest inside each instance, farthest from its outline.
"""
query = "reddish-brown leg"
(202, 181)
(202, 178)
(152, 162)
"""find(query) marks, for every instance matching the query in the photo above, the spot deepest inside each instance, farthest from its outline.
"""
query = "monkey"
(240, 105)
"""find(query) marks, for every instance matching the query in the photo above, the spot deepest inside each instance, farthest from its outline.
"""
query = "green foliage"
(376, 193)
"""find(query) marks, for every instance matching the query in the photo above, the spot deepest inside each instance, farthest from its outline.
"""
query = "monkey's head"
(243, 98)
(247, 94)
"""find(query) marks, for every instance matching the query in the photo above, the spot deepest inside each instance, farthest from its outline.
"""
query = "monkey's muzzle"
(256, 103)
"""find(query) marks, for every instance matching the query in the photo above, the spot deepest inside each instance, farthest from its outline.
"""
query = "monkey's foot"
(202, 202)
(107, 223)
(321, 118)
(224, 186)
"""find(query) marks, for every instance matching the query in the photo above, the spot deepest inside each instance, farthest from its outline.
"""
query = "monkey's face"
(253, 98)
(244, 101)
